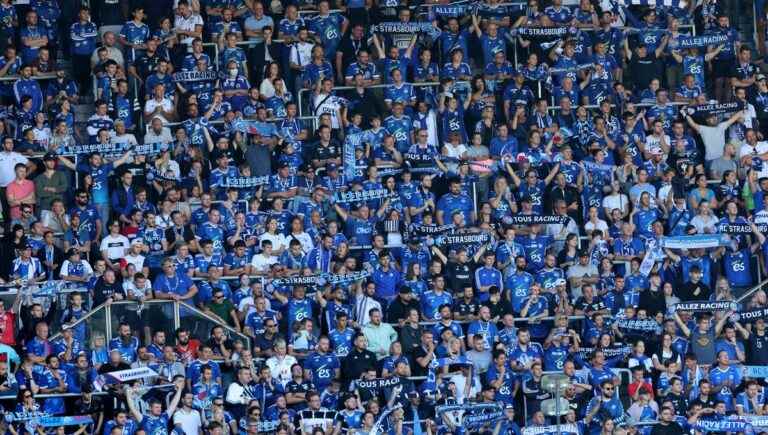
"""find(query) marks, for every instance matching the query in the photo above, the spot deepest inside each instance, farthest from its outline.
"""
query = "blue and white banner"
(429, 230)
(542, 32)
(726, 424)
(75, 420)
(361, 195)
(471, 416)
(268, 426)
(245, 182)
(320, 279)
(351, 141)
(577, 68)
(569, 428)
(706, 306)
(396, 27)
(608, 352)
(24, 416)
(195, 76)
(450, 11)
(151, 148)
(695, 241)
(639, 325)
(461, 360)
(121, 376)
(741, 228)
(701, 41)
(714, 109)
(534, 219)
(755, 372)
(668, 3)
(463, 239)
(253, 127)
(101, 148)
(377, 384)
(752, 315)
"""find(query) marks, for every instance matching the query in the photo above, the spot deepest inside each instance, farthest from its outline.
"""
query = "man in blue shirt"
(455, 201)
(173, 285)
(386, 277)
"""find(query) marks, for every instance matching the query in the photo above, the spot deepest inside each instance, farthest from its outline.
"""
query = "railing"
(13, 78)
(380, 86)
(171, 316)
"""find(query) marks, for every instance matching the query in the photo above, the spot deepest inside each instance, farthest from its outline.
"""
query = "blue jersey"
(487, 330)
(450, 204)
(27, 269)
(128, 350)
(400, 129)
(29, 87)
(194, 370)
(323, 368)
(155, 425)
(29, 53)
(298, 310)
(400, 94)
(214, 233)
(100, 176)
(718, 377)
(83, 36)
(738, 268)
(341, 341)
(535, 250)
(525, 357)
(431, 302)
(554, 357)
(504, 392)
(327, 28)
(518, 284)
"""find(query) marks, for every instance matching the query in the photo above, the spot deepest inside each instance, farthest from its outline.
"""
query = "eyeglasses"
(271, 326)
(27, 396)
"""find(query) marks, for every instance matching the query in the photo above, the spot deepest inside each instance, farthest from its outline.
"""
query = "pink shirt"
(19, 190)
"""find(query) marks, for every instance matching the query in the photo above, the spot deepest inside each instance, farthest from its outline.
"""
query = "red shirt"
(188, 353)
(8, 328)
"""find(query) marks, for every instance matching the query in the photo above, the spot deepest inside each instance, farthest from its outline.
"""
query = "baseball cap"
(331, 167)
(49, 156)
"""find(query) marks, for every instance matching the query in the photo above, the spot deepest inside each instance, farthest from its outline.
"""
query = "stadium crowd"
(362, 218)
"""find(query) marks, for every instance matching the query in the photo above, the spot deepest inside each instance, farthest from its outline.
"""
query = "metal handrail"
(13, 78)
(379, 86)
(107, 309)
(752, 291)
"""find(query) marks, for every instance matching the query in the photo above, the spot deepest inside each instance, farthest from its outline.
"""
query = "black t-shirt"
(758, 349)
(349, 49)
(644, 70)
(464, 308)
(416, 368)
(667, 429)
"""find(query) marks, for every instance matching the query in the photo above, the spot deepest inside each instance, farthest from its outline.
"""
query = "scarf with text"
(195, 76)
(706, 306)
(361, 196)
(245, 182)
(714, 109)
(695, 241)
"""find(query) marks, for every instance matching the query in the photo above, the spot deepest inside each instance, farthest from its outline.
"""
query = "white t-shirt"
(187, 24)
(759, 148)
(87, 269)
(330, 105)
(280, 369)
(152, 104)
(600, 225)
(261, 262)
(136, 260)
(115, 246)
(278, 241)
(190, 421)
(7, 162)
(616, 201)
